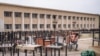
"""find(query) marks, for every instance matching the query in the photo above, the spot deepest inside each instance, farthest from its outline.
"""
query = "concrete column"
(45, 28)
(13, 25)
(89, 23)
(51, 22)
(67, 23)
(86, 22)
(71, 23)
(62, 28)
(92, 24)
(83, 23)
(2, 23)
(22, 21)
(57, 23)
(31, 22)
(79, 24)
(38, 25)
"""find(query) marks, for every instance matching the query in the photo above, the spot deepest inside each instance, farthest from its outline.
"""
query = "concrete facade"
(66, 20)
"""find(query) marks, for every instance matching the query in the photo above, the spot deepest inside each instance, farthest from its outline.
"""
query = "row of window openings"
(35, 15)
(27, 26)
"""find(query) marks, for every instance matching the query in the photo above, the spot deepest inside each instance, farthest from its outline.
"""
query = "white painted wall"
(1, 25)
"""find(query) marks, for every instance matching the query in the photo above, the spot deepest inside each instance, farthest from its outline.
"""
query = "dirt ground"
(84, 44)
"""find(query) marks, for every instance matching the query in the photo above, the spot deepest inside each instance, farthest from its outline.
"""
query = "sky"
(86, 6)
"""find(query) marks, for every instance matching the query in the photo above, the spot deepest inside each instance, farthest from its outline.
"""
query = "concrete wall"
(25, 9)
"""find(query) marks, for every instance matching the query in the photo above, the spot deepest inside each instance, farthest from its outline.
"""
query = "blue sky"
(87, 6)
